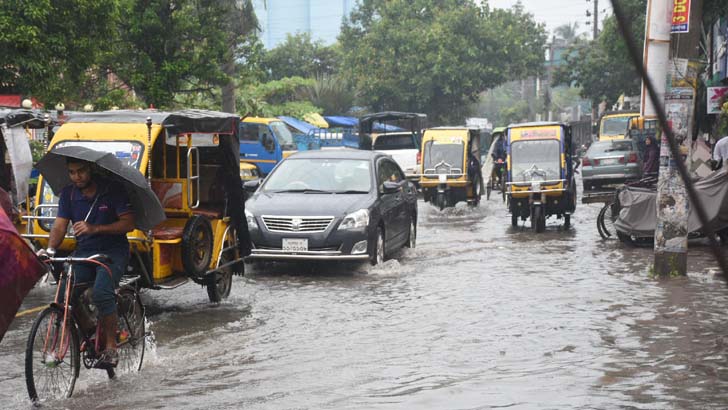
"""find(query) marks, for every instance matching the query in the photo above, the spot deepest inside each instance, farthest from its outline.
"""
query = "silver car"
(610, 163)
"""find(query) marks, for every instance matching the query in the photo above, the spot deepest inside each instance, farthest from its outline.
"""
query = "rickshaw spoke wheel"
(220, 283)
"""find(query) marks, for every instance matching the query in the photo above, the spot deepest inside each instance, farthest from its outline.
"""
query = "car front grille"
(297, 223)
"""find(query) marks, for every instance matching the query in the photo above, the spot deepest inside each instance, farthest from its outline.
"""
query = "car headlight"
(355, 220)
(252, 222)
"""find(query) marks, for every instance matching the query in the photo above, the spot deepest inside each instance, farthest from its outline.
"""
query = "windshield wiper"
(305, 191)
(351, 191)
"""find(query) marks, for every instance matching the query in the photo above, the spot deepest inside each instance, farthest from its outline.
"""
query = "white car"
(403, 148)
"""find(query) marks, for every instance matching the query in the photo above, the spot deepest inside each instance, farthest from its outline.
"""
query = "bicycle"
(57, 342)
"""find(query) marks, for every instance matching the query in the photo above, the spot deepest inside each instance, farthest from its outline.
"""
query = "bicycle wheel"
(132, 336)
(52, 356)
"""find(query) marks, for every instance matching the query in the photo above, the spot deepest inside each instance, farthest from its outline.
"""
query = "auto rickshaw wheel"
(197, 245)
(441, 200)
(538, 220)
(514, 220)
(477, 192)
(219, 283)
(567, 221)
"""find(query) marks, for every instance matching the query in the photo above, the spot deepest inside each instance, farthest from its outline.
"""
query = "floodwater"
(478, 316)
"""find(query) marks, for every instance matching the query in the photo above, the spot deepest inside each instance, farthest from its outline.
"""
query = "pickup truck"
(403, 147)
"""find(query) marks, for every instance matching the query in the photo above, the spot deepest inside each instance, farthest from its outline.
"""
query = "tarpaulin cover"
(638, 216)
(19, 272)
(302, 126)
(340, 121)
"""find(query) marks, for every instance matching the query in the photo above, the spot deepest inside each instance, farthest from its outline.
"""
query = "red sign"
(680, 16)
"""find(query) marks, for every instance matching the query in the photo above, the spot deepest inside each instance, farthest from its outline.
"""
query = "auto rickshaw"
(539, 172)
(18, 127)
(450, 166)
(191, 161)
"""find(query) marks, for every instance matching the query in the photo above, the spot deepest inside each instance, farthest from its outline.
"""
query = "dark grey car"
(332, 205)
(609, 163)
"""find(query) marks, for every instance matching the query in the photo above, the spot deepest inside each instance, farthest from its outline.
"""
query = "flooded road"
(478, 316)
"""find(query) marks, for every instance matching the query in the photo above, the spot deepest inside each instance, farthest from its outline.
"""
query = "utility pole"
(595, 25)
(671, 232)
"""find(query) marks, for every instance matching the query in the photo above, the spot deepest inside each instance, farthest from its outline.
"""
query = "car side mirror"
(252, 185)
(391, 187)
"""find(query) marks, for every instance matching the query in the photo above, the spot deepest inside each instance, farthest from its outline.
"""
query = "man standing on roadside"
(102, 216)
(720, 152)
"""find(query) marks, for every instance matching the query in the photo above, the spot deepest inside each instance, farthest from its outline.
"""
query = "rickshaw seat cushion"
(167, 232)
(169, 193)
(209, 212)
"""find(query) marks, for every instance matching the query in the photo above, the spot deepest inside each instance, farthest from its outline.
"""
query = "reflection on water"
(479, 315)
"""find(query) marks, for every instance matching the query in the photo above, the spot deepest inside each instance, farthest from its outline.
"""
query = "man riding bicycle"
(102, 216)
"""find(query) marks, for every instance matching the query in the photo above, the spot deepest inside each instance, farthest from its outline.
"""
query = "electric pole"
(595, 25)
(671, 232)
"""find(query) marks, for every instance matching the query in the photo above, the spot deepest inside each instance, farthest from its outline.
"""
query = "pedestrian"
(651, 162)
(720, 152)
(102, 216)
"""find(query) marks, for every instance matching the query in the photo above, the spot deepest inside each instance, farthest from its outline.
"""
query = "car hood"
(300, 204)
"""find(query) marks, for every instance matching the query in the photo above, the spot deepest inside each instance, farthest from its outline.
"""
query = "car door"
(392, 205)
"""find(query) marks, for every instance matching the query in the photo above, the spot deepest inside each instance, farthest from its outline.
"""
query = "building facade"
(320, 18)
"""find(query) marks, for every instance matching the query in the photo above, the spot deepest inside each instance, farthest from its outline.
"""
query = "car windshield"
(283, 134)
(608, 147)
(614, 125)
(394, 141)
(535, 160)
(448, 153)
(320, 175)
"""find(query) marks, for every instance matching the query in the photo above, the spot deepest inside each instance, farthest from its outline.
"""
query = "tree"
(51, 48)
(179, 46)
(299, 56)
(276, 98)
(567, 32)
(332, 93)
(602, 67)
(436, 56)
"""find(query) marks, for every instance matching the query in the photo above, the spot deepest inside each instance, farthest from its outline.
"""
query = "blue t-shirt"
(112, 203)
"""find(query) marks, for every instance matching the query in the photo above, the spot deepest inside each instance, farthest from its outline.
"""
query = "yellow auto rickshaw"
(539, 171)
(450, 166)
(191, 160)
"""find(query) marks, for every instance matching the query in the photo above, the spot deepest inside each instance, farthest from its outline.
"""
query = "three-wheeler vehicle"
(539, 172)
(191, 161)
(450, 166)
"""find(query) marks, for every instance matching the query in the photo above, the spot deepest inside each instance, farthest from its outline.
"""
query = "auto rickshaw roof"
(176, 122)
(497, 130)
(536, 124)
(29, 118)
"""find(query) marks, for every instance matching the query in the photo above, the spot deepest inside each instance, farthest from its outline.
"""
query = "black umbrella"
(148, 212)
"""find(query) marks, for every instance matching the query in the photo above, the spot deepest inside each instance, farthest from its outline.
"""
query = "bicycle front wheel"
(131, 331)
(52, 356)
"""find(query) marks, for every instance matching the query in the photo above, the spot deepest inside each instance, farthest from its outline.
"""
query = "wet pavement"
(478, 316)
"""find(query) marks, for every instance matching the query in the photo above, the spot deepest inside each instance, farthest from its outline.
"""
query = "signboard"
(680, 16)
(716, 95)
(548, 132)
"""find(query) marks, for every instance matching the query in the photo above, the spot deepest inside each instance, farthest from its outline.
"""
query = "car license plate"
(609, 161)
(295, 245)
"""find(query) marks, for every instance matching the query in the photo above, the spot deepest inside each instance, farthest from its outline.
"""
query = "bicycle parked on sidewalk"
(64, 333)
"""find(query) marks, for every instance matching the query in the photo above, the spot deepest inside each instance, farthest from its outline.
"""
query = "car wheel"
(412, 239)
(377, 255)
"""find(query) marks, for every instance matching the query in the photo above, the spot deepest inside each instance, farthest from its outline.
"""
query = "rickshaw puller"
(101, 216)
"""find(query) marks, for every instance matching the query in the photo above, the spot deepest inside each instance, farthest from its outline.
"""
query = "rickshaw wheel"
(197, 245)
(538, 220)
(218, 284)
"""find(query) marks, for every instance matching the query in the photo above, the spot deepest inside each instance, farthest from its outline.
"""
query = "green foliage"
(602, 67)
(332, 93)
(37, 149)
(276, 98)
(299, 56)
(436, 56)
(50, 47)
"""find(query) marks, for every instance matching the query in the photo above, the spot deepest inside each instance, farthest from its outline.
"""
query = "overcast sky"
(557, 12)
